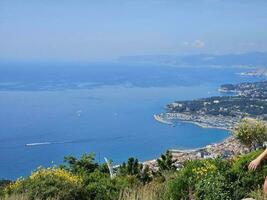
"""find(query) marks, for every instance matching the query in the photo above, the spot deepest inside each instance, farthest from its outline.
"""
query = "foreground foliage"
(48, 183)
(75, 179)
(207, 179)
(217, 179)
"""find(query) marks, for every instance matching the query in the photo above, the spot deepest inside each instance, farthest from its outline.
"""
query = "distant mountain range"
(257, 59)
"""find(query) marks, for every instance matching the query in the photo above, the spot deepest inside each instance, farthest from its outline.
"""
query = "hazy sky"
(95, 29)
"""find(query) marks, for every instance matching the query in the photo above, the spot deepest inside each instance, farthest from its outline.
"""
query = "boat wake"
(45, 143)
(75, 141)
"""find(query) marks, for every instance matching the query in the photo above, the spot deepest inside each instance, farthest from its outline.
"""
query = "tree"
(133, 167)
(165, 162)
(251, 132)
(145, 176)
(85, 164)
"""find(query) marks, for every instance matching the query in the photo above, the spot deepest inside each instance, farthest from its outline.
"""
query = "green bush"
(244, 179)
(99, 186)
(251, 132)
(216, 179)
(3, 184)
(258, 194)
(185, 184)
(214, 187)
(48, 184)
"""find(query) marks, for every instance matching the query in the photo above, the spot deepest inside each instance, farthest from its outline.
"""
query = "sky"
(107, 29)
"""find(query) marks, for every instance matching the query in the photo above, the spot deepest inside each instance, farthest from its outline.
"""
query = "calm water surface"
(112, 120)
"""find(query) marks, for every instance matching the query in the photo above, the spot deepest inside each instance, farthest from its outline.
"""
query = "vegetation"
(249, 101)
(207, 179)
(232, 106)
(166, 162)
(3, 184)
(251, 132)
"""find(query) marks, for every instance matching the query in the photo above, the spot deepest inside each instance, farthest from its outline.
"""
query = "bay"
(39, 124)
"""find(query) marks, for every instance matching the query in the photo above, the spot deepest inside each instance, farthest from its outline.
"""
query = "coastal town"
(250, 100)
(262, 72)
(250, 90)
(229, 148)
(219, 122)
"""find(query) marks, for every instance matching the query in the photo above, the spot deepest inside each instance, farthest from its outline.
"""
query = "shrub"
(258, 194)
(214, 187)
(217, 179)
(3, 184)
(244, 179)
(48, 183)
(182, 185)
(99, 186)
(194, 179)
(251, 132)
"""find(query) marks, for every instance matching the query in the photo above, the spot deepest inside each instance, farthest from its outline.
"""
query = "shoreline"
(158, 118)
(227, 148)
(186, 118)
(203, 125)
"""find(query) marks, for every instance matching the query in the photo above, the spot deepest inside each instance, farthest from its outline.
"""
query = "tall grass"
(258, 195)
(148, 192)
(25, 197)
(16, 197)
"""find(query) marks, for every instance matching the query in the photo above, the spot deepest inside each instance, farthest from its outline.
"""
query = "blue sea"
(51, 110)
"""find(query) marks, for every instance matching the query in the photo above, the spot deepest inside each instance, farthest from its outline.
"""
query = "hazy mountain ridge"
(257, 59)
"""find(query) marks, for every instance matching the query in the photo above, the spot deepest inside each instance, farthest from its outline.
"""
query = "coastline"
(228, 148)
(160, 119)
(222, 123)
(203, 125)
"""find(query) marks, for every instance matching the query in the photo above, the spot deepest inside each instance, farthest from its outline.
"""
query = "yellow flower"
(55, 172)
(205, 169)
(14, 186)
